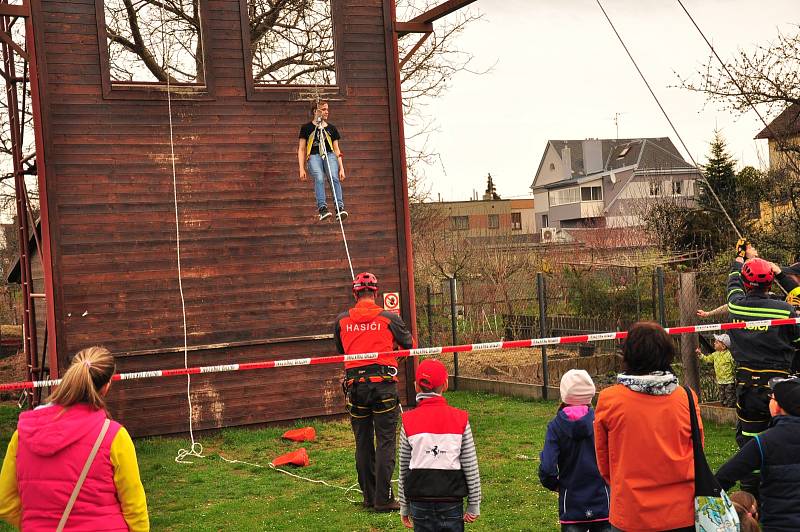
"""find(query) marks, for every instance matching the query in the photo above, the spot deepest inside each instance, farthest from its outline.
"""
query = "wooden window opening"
(139, 51)
(292, 54)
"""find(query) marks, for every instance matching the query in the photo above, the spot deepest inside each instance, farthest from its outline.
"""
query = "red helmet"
(757, 273)
(364, 281)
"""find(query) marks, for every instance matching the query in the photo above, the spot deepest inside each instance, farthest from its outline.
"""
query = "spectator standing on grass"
(568, 463)
(643, 437)
(776, 454)
(68, 439)
(438, 462)
(724, 369)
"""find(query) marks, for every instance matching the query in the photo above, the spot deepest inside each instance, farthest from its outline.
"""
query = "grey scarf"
(655, 383)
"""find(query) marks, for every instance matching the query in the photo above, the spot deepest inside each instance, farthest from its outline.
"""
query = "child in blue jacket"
(568, 463)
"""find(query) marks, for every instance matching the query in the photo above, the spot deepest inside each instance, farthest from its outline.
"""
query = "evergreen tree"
(720, 175)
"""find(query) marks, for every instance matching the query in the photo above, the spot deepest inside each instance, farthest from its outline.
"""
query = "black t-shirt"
(309, 129)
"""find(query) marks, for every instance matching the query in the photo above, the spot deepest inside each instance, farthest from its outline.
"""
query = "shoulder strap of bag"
(705, 483)
(696, 445)
(83, 476)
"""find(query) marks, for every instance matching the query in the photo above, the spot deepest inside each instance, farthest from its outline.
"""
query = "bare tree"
(767, 78)
(7, 187)
(427, 75)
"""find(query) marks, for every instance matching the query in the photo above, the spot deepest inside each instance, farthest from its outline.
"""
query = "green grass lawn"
(211, 494)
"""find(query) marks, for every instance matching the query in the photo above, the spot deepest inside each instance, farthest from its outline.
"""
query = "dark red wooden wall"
(258, 272)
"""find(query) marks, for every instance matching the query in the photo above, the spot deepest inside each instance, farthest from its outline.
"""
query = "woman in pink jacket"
(64, 441)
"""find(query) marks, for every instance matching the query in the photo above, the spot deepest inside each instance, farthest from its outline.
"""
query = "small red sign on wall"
(391, 302)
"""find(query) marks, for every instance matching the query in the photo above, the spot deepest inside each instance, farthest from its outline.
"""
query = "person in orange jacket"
(643, 438)
(371, 388)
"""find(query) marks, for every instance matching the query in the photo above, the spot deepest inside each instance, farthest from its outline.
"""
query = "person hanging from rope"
(318, 151)
(761, 353)
(371, 389)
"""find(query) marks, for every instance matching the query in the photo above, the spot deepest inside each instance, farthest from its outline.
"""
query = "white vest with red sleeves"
(435, 431)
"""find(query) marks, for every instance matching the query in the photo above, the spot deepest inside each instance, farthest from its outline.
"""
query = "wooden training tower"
(261, 279)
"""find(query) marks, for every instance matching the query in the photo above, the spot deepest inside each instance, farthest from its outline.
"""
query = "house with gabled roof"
(783, 136)
(608, 182)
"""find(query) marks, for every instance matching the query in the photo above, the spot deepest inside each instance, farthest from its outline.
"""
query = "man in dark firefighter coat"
(371, 388)
(760, 352)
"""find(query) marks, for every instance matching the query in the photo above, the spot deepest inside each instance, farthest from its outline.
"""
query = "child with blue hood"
(568, 463)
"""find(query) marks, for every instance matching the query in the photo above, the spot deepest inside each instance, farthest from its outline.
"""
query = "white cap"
(577, 387)
(724, 338)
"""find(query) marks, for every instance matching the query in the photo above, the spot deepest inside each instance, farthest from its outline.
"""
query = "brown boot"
(391, 506)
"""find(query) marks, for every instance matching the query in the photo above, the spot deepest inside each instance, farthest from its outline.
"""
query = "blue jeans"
(318, 168)
(437, 516)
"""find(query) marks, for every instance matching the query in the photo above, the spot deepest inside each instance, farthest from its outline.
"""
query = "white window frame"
(564, 196)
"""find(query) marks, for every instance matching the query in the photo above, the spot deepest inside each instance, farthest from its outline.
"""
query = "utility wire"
(727, 71)
(674, 129)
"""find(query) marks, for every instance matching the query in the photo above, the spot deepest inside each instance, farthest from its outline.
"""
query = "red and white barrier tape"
(338, 359)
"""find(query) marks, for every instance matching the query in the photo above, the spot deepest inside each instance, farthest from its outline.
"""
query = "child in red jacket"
(438, 462)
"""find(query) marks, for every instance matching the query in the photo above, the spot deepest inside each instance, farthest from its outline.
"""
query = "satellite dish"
(613, 177)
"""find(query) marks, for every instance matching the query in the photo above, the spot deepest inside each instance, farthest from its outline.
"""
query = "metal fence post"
(540, 286)
(429, 309)
(661, 310)
(453, 326)
(654, 295)
(638, 294)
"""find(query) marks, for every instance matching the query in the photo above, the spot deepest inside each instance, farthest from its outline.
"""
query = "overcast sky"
(561, 73)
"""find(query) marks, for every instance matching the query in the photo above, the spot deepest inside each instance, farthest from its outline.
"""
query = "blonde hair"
(91, 369)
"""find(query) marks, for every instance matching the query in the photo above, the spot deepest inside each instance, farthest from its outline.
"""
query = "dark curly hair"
(647, 348)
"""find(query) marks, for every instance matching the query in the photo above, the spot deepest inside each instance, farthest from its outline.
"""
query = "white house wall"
(547, 175)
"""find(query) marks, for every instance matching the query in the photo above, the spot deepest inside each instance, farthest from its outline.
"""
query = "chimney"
(566, 160)
(592, 156)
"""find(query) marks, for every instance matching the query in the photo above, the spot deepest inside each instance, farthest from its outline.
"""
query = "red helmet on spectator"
(364, 281)
(757, 273)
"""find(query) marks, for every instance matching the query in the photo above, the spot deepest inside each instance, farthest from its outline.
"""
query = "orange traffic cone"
(298, 458)
(304, 434)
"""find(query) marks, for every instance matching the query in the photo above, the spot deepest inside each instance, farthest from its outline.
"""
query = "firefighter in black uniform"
(760, 352)
(371, 389)
(787, 278)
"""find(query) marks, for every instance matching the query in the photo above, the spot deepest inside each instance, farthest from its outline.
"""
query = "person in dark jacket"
(371, 388)
(761, 352)
(568, 463)
(776, 453)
